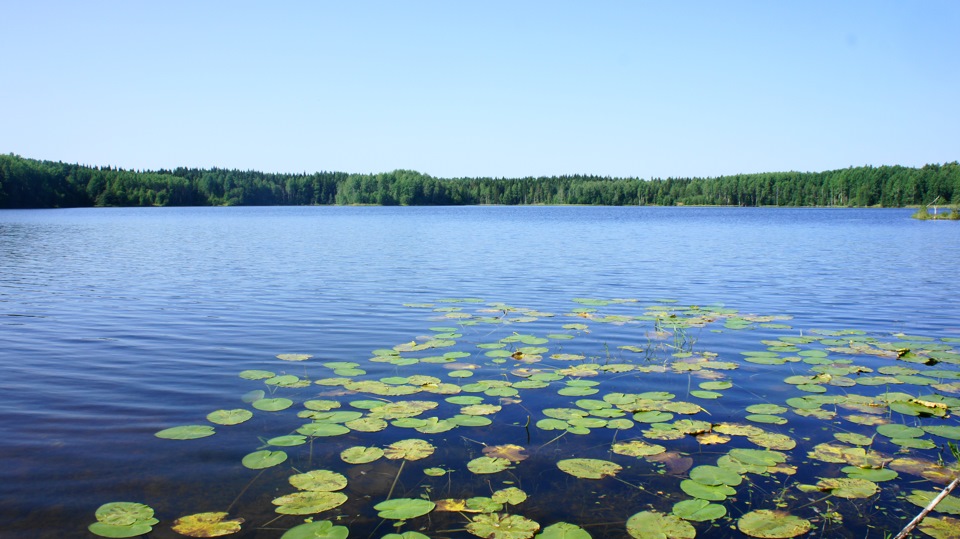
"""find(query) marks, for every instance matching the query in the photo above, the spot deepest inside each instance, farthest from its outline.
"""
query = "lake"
(625, 342)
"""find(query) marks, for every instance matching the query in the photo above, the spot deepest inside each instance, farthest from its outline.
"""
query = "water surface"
(117, 323)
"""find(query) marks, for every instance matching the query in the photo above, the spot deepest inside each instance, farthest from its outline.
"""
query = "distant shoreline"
(31, 183)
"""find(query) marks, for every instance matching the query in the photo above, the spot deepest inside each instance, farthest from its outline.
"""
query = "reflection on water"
(119, 323)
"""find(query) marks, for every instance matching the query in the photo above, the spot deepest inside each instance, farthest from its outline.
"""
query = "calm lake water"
(118, 323)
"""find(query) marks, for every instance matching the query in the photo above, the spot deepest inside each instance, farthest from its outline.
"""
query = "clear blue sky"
(455, 88)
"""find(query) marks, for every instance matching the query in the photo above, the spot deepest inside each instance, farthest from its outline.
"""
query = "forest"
(31, 183)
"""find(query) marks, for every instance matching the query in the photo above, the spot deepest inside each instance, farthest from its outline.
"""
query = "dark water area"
(118, 323)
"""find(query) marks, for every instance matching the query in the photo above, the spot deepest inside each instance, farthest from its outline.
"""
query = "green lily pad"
(853, 438)
(896, 430)
(758, 457)
(767, 524)
(294, 357)
(207, 525)
(286, 380)
(480, 409)
(870, 474)
(766, 409)
(319, 480)
(496, 526)
(309, 502)
(406, 535)
(715, 475)
(367, 424)
(846, 487)
(563, 530)
(653, 416)
(589, 468)
(637, 448)
(360, 454)
(323, 529)
(944, 431)
(186, 432)
(404, 508)
(654, 525)
(110, 530)
(123, 513)
(773, 440)
(488, 465)
(698, 510)
(941, 528)
(766, 418)
(510, 495)
(470, 420)
(290, 440)
(272, 405)
(254, 374)
(411, 449)
(229, 417)
(701, 394)
(259, 460)
(322, 429)
(949, 504)
(713, 493)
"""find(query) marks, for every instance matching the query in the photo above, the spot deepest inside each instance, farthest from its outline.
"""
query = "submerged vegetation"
(29, 183)
(613, 418)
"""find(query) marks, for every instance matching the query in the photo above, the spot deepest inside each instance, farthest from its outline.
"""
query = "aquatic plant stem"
(933, 503)
(235, 500)
(395, 479)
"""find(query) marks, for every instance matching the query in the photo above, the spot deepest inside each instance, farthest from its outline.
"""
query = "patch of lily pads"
(614, 403)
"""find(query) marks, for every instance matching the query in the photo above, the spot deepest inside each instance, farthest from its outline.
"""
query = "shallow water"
(117, 323)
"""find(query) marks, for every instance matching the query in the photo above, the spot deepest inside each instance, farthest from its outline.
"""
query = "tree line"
(30, 183)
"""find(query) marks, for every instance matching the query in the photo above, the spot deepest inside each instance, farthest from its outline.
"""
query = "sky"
(483, 89)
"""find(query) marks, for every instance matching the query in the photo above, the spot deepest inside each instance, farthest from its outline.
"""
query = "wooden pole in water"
(933, 503)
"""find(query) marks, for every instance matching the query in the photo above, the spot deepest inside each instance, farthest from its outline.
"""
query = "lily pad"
(360, 454)
(322, 429)
(323, 529)
(941, 528)
(110, 530)
(411, 449)
(123, 513)
(229, 417)
(290, 440)
(870, 474)
(294, 357)
(123, 519)
(715, 475)
(849, 487)
(206, 525)
(637, 448)
(272, 405)
(510, 495)
(713, 493)
(308, 502)
(767, 524)
(589, 468)
(698, 510)
(922, 498)
(496, 526)
(186, 432)
(254, 374)
(654, 525)
(563, 530)
(259, 460)
(404, 508)
(319, 480)
(488, 465)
